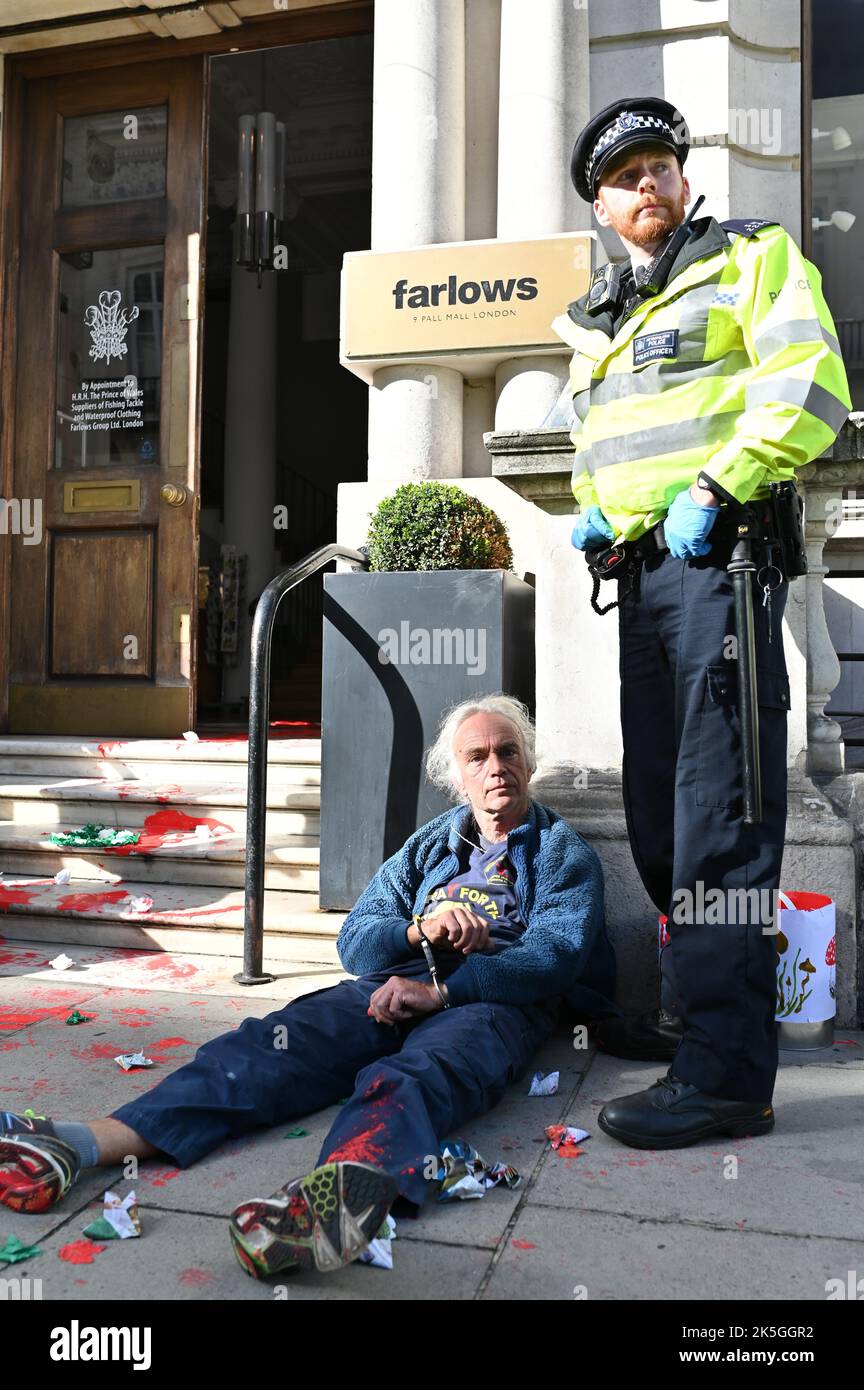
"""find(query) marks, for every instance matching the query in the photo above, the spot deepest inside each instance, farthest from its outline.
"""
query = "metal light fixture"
(260, 190)
(843, 221)
(840, 137)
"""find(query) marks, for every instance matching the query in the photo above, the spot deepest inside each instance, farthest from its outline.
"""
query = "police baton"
(741, 567)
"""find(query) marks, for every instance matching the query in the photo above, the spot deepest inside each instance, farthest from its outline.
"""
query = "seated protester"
(502, 897)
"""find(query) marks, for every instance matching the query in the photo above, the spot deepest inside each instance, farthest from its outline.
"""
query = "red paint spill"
(9, 1046)
(167, 827)
(14, 897)
(81, 1281)
(523, 1245)
(360, 1149)
(29, 958)
(196, 1278)
(176, 970)
(160, 1177)
(95, 1052)
(9, 1018)
(89, 902)
(80, 1252)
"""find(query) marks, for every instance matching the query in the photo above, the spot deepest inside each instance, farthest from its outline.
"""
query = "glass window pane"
(109, 358)
(838, 175)
(114, 156)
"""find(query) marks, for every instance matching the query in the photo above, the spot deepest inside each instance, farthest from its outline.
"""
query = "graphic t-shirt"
(486, 884)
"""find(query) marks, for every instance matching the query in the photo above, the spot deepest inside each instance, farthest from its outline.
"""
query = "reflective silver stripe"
(790, 390)
(662, 376)
(795, 331)
(654, 443)
(693, 323)
(581, 402)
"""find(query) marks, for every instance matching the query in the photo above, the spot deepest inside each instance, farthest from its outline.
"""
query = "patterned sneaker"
(36, 1170)
(28, 1123)
(322, 1221)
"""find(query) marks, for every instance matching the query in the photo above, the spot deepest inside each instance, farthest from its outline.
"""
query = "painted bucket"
(806, 947)
(806, 971)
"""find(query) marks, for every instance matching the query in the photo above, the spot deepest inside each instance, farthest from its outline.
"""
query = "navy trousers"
(683, 799)
(410, 1085)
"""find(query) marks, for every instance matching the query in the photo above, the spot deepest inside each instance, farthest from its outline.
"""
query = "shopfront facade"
(187, 431)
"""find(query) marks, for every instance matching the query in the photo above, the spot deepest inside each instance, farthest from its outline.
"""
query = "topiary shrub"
(436, 526)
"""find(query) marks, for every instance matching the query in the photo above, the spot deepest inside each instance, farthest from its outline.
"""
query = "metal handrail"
(259, 720)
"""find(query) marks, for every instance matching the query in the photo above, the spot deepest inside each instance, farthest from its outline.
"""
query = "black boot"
(672, 1114)
(652, 1037)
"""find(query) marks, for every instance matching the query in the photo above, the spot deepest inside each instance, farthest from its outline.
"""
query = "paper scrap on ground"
(61, 962)
(379, 1252)
(138, 906)
(76, 1017)
(191, 736)
(464, 1174)
(544, 1085)
(129, 1060)
(119, 1219)
(203, 832)
(92, 836)
(63, 876)
(15, 1250)
(565, 1139)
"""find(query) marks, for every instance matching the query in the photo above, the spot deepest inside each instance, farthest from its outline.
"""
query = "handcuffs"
(426, 944)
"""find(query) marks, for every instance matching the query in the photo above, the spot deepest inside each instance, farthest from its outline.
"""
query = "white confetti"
(133, 1059)
(63, 876)
(61, 962)
(544, 1085)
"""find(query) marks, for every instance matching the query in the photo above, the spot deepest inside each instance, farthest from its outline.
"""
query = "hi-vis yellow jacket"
(732, 370)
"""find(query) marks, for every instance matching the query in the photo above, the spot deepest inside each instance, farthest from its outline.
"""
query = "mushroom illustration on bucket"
(806, 969)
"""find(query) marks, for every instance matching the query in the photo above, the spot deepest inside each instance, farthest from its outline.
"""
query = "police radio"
(651, 278)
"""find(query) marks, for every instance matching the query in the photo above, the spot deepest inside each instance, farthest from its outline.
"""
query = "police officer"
(704, 370)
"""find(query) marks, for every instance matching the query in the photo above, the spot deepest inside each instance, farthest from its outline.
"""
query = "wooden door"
(103, 575)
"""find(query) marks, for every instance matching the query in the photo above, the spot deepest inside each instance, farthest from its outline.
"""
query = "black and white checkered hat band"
(624, 124)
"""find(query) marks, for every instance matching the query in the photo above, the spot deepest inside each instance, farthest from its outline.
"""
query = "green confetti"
(94, 837)
(31, 1115)
(15, 1250)
(296, 1134)
(76, 1017)
(100, 1229)
(343, 1102)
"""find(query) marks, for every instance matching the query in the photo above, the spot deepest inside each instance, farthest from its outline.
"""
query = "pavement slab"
(766, 1218)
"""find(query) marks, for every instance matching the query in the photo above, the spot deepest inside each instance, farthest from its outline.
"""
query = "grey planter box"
(450, 635)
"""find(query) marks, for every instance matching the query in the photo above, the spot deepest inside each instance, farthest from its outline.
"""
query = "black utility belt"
(775, 522)
(772, 524)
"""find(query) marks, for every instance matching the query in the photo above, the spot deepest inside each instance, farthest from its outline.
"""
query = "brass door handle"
(175, 494)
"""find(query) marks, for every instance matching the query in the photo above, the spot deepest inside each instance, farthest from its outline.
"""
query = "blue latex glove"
(686, 526)
(591, 529)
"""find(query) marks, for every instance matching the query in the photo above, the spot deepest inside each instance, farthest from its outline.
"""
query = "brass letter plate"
(118, 495)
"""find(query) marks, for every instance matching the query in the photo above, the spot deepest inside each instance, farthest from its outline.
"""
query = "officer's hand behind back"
(687, 525)
(591, 529)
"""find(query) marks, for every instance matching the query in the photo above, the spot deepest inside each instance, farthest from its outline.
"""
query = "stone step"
(221, 749)
(215, 760)
(300, 953)
(174, 907)
(60, 802)
(291, 861)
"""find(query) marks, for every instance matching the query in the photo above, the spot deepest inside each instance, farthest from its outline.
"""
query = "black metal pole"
(741, 567)
(259, 723)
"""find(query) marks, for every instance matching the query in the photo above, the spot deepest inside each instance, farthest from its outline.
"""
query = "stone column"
(250, 448)
(543, 103)
(418, 198)
(825, 748)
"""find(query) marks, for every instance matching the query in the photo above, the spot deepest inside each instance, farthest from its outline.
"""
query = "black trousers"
(683, 799)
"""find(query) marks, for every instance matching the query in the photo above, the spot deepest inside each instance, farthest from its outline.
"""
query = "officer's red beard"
(647, 230)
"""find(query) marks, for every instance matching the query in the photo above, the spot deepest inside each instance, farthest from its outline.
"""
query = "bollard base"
(244, 979)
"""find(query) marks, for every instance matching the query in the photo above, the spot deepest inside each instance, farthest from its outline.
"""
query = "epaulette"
(748, 226)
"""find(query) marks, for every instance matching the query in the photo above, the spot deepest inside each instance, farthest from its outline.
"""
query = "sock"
(81, 1138)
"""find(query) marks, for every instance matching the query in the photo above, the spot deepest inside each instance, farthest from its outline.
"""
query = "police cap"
(633, 121)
